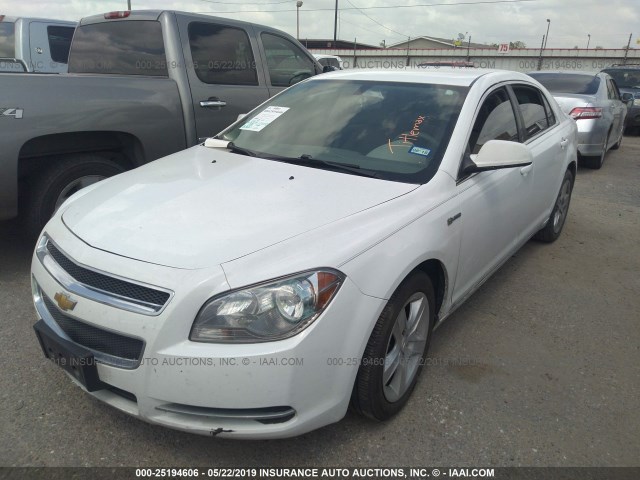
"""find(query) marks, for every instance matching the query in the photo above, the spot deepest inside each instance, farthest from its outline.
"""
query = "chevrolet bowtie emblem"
(64, 301)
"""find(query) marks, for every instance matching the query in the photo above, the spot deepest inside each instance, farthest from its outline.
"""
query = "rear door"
(225, 77)
(617, 110)
(547, 141)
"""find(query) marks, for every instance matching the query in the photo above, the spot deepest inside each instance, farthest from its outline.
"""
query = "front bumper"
(265, 390)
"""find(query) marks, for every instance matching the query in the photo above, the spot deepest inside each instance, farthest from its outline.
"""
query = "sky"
(609, 22)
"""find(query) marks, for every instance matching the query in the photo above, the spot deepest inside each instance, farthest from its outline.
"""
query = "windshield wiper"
(308, 160)
(243, 151)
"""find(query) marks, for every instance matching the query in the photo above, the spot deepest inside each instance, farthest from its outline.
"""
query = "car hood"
(203, 207)
(568, 101)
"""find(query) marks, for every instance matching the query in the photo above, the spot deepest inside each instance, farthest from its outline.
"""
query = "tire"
(553, 228)
(372, 396)
(597, 162)
(50, 187)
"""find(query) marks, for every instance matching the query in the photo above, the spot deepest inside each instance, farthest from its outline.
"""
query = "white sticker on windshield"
(420, 151)
(264, 118)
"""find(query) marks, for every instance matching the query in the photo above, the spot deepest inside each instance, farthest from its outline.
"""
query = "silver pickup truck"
(141, 85)
(38, 45)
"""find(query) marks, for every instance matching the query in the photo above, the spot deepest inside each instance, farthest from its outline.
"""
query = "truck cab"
(36, 45)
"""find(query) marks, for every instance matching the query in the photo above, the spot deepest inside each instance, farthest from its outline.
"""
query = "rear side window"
(60, 42)
(119, 47)
(612, 90)
(222, 55)
(496, 121)
(532, 109)
(287, 63)
(568, 83)
(551, 118)
(7, 40)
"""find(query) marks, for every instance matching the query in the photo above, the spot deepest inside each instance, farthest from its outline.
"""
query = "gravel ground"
(540, 367)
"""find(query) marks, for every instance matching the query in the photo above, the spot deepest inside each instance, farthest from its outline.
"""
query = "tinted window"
(625, 77)
(532, 109)
(60, 42)
(286, 62)
(398, 130)
(222, 55)
(7, 40)
(119, 47)
(568, 83)
(495, 121)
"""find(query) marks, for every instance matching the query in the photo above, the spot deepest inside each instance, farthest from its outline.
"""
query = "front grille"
(94, 338)
(107, 283)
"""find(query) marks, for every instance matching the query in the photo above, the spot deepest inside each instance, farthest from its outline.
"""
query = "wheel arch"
(120, 147)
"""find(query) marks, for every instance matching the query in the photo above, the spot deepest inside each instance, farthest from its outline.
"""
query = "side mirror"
(328, 68)
(498, 154)
(626, 97)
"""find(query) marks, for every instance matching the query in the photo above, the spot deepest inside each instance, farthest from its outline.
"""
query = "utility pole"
(588, 40)
(298, 5)
(626, 52)
(335, 24)
(128, 4)
(547, 36)
(540, 59)
(468, 47)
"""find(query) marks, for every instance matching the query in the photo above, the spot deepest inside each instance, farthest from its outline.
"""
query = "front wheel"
(553, 228)
(55, 184)
(396, 350)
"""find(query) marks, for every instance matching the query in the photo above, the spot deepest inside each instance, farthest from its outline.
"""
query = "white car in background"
(256, 285)
(329, 60)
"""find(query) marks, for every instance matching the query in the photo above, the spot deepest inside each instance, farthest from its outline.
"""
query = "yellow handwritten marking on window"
(409, 137)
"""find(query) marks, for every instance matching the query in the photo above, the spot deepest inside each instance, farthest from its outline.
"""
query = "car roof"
(441, 76)
(563, 72)
(10, 19)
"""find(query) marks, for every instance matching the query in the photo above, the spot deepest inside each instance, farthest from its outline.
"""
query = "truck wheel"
(396, 350)
(51, 187)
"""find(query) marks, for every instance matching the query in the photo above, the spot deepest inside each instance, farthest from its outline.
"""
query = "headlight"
(266, 312)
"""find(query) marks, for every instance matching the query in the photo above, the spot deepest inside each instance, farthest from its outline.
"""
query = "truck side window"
(222, 55)
(60, 42)
(287, 63)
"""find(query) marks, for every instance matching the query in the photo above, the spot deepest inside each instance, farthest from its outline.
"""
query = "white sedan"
(297, 263)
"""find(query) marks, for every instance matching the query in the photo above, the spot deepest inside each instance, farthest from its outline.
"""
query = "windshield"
(573, 84)
(625, 77)
(7, 40)
(398, 131)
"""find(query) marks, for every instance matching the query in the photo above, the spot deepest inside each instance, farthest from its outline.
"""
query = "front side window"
(287, 63)
(222, 55)
(495, 121)
(60, 42)
(131, 47)
(7, 40)
(532, 109)
(394, 131)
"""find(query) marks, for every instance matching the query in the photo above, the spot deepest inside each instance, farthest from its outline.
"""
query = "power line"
(488, 2)
(247, 3)
(374, 20)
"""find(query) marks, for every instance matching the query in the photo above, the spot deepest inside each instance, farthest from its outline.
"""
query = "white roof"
(442, 76)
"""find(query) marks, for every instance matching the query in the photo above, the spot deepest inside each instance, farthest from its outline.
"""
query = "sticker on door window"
(264, 118)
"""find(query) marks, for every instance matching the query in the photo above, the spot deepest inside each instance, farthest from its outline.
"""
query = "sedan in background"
(297, 263)
(627, 78)
(595, 103)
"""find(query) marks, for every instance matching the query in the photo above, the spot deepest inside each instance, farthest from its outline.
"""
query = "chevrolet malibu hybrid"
(259, 284)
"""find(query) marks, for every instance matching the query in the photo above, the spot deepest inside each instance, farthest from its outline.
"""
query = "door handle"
(563, 142)
(213, 102)
(524, 171)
